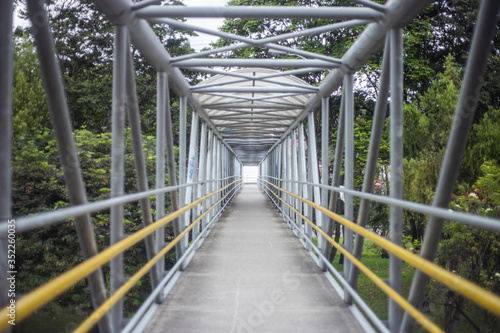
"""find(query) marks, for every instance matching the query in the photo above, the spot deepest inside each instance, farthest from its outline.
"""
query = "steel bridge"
(246, 260)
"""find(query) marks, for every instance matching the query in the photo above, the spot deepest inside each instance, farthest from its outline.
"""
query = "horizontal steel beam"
(272, 39)
(270, 99)
(279, 83)
(250, 116)
(256, 89)
(250, 126)
(263, 63)
(270, 123)
(261, 77)
(244, 107)
(341, 13)
(248, 131)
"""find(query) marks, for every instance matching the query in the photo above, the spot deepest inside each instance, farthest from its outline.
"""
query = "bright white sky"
(203, 40)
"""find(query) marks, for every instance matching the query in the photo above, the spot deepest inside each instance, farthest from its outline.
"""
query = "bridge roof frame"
(379, 19)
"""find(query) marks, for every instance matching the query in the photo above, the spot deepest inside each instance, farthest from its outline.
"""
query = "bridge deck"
(252, 275)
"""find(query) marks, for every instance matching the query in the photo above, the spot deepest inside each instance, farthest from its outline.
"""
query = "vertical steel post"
(6, 73)
(288, 176)
(337, 166)
(172, 174)
(182, 164)
(193, 151)
(283, 176)
(161, 106)
(118, 165)
(140, 165)
(202, 165)
(339, 153)
(209, 176)
(218, 174)
(349, 164)
(372, 159)
(396, 160)
(325, 148)
(464, 116)
(215, 174)
(305, 188)
(314, 171)
(279, 169)
(224, 172)
(295, 177)
(59, 115)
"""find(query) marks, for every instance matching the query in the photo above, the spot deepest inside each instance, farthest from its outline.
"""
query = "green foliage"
(472, 252)
(30, 113)
(83, 39)
(427, 123)
(483, 145)
(38, 185)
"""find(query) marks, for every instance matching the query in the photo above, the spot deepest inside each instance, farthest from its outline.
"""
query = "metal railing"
(51, 290)
(482, 297)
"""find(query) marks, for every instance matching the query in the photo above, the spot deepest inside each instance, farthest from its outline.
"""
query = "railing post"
(279, 169)
(306, 193)
(172, 174)
(209, 177)
(349, 164)
(314, 173)
(396, 160)
(191, 170)
(339, 153)
(117, 277)
(202, 173)
(288, 165)
(140, 165)
(182, 165)
(217, 175)
(59, 115)
(6, 72)
(325, 148)
(161, 105)
(295, 177)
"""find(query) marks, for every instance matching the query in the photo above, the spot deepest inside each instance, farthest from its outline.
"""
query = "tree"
(427, 123)
(471, 252)
(83, 39)
(30, 113)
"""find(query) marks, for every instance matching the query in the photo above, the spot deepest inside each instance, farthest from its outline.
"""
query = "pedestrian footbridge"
(252, 274)
(249, 257)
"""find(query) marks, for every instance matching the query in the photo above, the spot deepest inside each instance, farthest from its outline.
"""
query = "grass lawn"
(52, 318)
(368, 290)
(377, 300)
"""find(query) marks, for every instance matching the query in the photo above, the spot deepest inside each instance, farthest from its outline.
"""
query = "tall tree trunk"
(341, 258)
(453, 309)
(333, 252)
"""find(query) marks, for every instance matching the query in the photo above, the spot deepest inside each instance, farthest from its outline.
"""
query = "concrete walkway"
(252, 275)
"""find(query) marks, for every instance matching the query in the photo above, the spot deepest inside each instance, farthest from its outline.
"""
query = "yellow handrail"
(46, 293)
(475, 293)
(423, 320)
(101, 311)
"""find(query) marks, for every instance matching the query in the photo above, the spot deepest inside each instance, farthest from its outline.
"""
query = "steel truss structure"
(253, 114)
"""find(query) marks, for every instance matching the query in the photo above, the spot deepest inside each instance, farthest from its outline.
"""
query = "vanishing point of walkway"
(252, 275)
